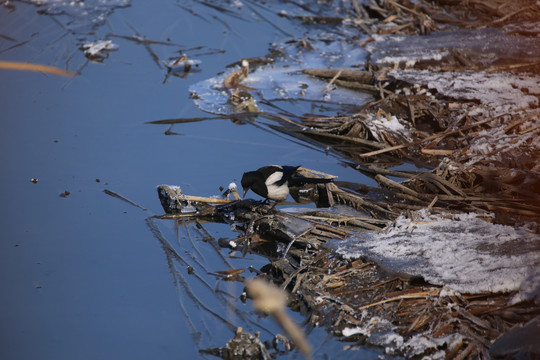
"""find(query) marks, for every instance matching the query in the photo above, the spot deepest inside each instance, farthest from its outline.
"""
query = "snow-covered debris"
(381, 332)
(494, 89)
(487, 45)
(464, 252)
(379, 124)
(95, 48)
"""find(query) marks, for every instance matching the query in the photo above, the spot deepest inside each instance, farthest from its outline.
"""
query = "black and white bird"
(272, 182)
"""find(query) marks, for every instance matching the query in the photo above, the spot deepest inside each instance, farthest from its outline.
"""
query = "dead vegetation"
(447, 135)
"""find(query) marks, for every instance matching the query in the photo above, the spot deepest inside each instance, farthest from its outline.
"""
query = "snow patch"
(463, 252)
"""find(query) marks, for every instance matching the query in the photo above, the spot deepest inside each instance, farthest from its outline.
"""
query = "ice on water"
(283, 79)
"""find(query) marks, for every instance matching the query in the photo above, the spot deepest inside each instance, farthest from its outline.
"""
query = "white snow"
(463, 252)
(379, 123)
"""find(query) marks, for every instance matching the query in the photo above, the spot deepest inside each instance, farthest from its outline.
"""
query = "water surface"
(82, 275)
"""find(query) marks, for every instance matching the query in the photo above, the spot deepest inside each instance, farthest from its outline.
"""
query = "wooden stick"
(506, 17)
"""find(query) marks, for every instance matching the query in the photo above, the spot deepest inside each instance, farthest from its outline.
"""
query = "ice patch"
(283, 80)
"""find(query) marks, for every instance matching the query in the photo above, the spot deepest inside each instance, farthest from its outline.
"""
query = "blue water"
(82, 276)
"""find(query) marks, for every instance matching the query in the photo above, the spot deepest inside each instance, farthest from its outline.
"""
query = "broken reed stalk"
(363, 77)
(209, 200)
(327, 88)
(347, 138)
(418, 295)
(270, 299)
(391, 183)
(13, 65)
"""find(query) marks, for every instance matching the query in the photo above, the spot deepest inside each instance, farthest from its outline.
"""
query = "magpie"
(272, 182)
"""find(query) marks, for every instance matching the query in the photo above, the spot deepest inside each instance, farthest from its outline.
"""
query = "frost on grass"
(460, 251)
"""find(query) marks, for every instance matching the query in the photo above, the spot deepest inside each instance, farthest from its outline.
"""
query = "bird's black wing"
(288, 171)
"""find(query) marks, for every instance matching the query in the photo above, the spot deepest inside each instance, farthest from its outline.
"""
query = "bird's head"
(248, 179)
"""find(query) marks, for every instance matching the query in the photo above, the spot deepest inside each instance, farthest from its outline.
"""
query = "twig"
(418, 295)
(13, 65)
(391, 183)
(506, 17)
(520, 121)
(327, 88)
(432, 203)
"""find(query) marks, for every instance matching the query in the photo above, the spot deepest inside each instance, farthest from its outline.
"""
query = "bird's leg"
(273, 207)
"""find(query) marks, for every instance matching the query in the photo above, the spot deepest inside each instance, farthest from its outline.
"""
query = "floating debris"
(243, 346)
(98, 50)
(64, 194)
(182, 65)
(233, 80)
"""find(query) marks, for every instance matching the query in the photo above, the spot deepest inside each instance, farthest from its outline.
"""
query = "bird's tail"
(301, 180)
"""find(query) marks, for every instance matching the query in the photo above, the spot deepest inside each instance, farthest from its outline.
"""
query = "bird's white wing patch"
(274, 178)
(276, 192)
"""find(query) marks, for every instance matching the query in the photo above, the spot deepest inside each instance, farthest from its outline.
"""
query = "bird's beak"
(245, 191)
